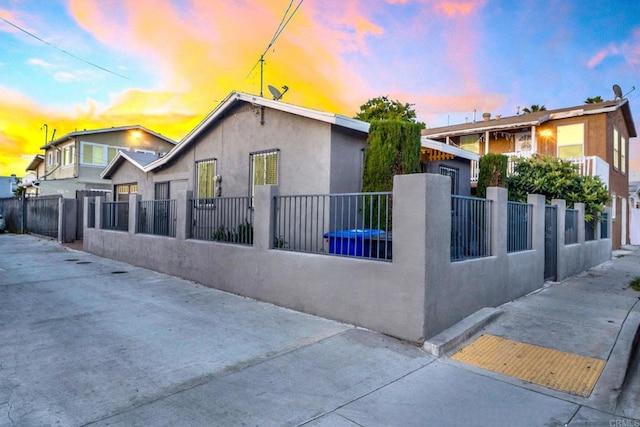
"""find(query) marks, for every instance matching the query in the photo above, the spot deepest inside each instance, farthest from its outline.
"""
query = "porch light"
(136, 134)
(546, 133)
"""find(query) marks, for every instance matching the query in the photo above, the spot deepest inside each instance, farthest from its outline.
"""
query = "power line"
(286, 18)
(64, 51)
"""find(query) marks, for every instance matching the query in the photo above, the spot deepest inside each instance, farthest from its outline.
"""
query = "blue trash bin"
(354, 242)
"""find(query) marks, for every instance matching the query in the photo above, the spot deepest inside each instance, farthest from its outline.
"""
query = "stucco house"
(593, 136)
(75, 161)
(249, 140)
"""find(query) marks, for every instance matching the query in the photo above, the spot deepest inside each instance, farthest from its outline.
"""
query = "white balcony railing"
(587, 166)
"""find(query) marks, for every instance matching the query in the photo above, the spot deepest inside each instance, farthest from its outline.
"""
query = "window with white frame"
(205, 178)
(570, 140)
(97, 154)
(623, 154)
(616, 149)
(50, 158)
(613, 205)
(264, 168)
(68, 155)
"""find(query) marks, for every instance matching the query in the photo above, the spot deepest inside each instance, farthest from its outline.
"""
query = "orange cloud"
(457, 8)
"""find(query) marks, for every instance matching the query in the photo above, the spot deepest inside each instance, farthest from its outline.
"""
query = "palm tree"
(594, 100)
(534, 108)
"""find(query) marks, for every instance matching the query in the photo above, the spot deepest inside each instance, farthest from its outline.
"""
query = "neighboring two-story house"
(76, 160)
(593, 136)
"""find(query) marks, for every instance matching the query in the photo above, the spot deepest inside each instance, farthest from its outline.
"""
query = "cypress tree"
(394, 148)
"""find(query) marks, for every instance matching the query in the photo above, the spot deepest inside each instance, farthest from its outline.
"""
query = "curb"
(450, 338)
(609, 386)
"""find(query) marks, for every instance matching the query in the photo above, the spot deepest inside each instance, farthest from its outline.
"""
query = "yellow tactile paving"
(550, 368)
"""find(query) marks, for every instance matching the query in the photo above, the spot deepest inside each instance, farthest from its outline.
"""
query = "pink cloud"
(628, 49)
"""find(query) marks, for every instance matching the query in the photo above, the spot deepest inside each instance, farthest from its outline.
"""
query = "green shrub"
(493, 172)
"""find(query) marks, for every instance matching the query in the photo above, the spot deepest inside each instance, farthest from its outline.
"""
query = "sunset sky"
(165, 64)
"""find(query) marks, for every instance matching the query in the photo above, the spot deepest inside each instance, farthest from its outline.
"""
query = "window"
(570, 140)
(50, 158)
(264, 169)
(205, 178)
(614, 198)
(616, 149)
(453, 173)
(97, 154)
(68, 155)
(623, 155)
(57, 156)
(123, 191)
(470, 143)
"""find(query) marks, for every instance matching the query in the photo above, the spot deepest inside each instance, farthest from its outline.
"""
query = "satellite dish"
(275, 92)
(277, 95)
(617, 92)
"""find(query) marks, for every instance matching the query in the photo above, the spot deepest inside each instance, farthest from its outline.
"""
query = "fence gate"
(80, 195)
(550, 242)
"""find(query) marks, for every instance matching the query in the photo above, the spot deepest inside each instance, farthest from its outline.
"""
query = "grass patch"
(619, 256)
(635, 284)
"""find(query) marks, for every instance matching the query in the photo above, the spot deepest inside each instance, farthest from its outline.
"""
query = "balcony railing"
(587, 166)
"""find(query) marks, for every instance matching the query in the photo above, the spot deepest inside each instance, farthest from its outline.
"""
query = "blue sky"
(170, 62)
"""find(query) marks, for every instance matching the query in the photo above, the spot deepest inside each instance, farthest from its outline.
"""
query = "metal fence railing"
(571, 227)
(520, 226)
(222, 219)
(350, 224)
(604, 226)
(157, 217)
(590, 230)
(115, 216)
(470, 227)
(91, 213)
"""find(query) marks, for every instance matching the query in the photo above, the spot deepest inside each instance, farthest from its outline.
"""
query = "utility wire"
(64, 51)
(286, 18)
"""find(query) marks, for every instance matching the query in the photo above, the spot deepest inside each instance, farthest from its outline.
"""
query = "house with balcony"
(593, 136)
(76, 160)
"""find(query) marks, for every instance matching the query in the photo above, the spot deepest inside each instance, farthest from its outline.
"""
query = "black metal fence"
(520, 226)
(571, 227)
(115, 216)
(222, 219)
(470, 227)
(590, 230)
(157, 217)
(91, 212)
(349, 224)
(604, 226)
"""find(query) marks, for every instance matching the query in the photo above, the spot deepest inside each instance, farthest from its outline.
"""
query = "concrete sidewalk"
(90, 341)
